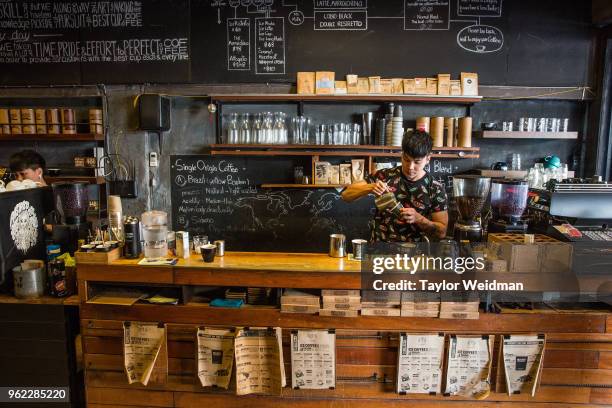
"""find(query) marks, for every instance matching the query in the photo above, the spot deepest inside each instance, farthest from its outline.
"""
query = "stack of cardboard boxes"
(340, 303)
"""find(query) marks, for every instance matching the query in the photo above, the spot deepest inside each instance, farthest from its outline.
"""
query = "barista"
(28, 165)
(423, 199)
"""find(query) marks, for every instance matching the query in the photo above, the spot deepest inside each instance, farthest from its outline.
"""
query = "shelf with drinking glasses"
(334, 150)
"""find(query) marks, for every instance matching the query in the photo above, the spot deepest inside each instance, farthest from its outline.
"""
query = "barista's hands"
(380, 188)
(409, 215)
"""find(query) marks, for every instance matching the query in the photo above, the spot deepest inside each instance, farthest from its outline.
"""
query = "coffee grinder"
(71, 202)
(470, 193)
(508, 202)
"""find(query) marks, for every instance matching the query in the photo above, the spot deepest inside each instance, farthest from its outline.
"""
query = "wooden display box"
(97, 257)
(545, 255)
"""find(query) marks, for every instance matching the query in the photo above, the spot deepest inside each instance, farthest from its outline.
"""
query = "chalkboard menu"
(220, 197)
(225, 41)
(67, 42)
(548, 42)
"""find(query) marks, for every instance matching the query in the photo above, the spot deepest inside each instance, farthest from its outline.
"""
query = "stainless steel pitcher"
(337, 245)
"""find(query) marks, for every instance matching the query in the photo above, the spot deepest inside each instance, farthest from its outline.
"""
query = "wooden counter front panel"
(571, 367)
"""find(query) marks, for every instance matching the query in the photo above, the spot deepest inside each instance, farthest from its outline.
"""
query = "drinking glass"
(198, 241)
(355, 134)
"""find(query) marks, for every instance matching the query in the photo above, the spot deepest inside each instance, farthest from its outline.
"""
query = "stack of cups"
(437, 131)
(397, 128)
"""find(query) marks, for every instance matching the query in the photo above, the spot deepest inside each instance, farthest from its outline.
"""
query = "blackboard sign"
(71, 42)
(392, 38)
(228, 41)
(220, 197)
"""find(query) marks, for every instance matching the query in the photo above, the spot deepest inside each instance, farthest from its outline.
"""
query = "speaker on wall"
(154, 112)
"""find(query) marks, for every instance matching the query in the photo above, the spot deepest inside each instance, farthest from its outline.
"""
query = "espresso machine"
(508, 203)
(71, 202)
(470, 193)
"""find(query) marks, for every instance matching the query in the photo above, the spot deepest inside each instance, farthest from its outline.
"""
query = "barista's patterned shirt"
(426, 195)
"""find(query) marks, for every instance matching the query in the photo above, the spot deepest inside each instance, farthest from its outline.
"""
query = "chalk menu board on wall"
(72, 42)
(220, 197)
(508, 42)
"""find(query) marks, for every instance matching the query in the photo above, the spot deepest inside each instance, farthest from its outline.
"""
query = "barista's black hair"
(417, 144)
(26, 159)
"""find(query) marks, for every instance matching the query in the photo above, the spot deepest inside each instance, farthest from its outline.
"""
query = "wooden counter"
(262, 269)
(577, 364)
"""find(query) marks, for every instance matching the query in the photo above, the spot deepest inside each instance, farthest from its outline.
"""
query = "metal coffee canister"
(182, 244)
(220, 244)
(131, 231)
(359, 249)
(337, 247)
(29, 283)
(58, 286)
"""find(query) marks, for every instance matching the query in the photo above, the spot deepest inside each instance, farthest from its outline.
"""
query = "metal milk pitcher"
(337, 248)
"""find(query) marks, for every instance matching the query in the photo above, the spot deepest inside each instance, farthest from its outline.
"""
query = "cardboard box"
(409, 86)
(459, 306)
(325, 81)
(340, 88)
(432, 86)
(381, 296)
(306, 83)
(309, 309)
(363, 86)
(418, 296)
(381, 311)
(341, 292)
(420, 86)
(469, 83)
(460, 315)
(375, 85)
(418, 313)
(341, 306)
(455, 87)
(354, 300)
(338, 313)
(420, 305)
(386, 86)
(296, 297)
(443, 84)
(398, 85)
(334, 174)
(377, 305)
(351, 84)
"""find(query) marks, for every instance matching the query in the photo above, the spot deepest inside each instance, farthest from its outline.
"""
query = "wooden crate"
(97, 257)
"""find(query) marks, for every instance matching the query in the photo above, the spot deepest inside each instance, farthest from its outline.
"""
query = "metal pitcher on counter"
(337, 245)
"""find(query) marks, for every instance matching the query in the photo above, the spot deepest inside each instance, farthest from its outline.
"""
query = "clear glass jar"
(155, 234)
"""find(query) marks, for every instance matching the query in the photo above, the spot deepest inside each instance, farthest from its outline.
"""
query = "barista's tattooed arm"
(436, 227)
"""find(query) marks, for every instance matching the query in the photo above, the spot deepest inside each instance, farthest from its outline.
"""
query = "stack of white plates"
(397, 132)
